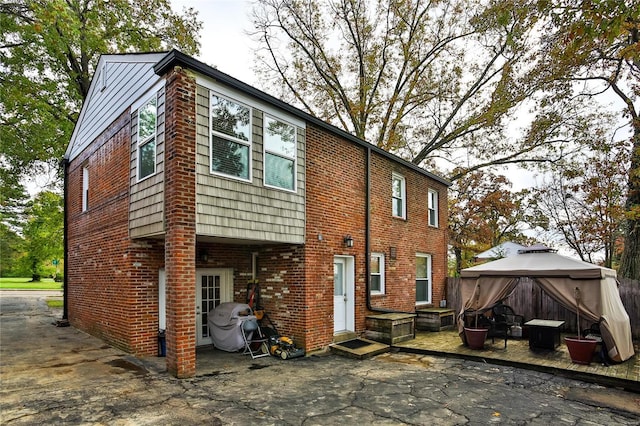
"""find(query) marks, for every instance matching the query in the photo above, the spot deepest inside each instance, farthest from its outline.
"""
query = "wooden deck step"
(359, 348)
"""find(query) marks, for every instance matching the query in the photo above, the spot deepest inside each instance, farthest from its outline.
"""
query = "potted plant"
(475, 336)
(580, 349)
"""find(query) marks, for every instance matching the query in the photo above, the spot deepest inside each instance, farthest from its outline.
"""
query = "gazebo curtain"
(482, 293)
(593, 297)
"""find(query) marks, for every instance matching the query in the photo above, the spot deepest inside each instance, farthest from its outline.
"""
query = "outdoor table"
(544, 334)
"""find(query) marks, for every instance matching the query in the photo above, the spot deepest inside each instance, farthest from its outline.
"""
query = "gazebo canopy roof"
(536, 262)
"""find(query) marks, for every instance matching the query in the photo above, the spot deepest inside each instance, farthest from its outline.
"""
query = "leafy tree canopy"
(596, 43)
(47, 57)
(476, 83)
(484, 212)
(428, 80)
(43, 231)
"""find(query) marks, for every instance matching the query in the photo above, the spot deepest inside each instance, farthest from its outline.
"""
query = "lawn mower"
(284, 348)
(279, 346)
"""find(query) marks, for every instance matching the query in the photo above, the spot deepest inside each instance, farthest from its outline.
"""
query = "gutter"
(176, 57)
(64, 322)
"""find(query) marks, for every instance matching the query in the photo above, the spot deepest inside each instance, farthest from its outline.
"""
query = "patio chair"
(504, 317)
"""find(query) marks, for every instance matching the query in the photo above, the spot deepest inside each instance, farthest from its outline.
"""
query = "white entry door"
(343, 294)
(213, 287)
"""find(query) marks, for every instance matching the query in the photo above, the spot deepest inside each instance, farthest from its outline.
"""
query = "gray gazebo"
(562, 278)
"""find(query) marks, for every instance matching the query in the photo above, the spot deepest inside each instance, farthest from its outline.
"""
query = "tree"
(449, 80)
(425, 80)
(43, 231)
(584, 201)
(484, 212)
(597, 43)
(12, 198)
(47, 57)
(10, 250)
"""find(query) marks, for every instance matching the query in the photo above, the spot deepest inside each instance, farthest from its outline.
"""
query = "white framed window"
(423, 278)
(230, 147)
(398, 196)
(147, 127)
(376, 271)
(433, 207)
(280, 146)
(85, 189)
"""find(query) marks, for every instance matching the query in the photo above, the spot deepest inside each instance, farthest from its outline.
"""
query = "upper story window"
(147, 126)
(398, 194)
(230, 138)
(423, 278)
(279, 154)
(376, 270)
(85, 189)
(433, 207)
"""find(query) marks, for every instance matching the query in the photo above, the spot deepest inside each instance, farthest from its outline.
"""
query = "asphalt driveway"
(59, 375)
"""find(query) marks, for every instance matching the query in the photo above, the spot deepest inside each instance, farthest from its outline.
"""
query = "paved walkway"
(59, 375)
(518, 354)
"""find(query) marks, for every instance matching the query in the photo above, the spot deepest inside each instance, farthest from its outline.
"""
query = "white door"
(213, 286)
(343, 294)
(162, 300)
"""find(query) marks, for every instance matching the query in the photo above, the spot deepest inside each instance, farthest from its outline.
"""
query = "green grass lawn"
(24, 284)
(55, 303)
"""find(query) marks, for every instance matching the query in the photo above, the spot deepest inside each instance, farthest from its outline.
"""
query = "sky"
(224, 43)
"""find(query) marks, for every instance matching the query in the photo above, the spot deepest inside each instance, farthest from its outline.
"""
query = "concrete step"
(359, 348)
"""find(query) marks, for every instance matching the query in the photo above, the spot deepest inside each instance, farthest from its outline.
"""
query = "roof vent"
(538, 248)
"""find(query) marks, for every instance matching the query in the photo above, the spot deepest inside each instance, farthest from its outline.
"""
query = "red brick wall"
(180, 222)
(336, 207)
(408, 236)
(111, 280)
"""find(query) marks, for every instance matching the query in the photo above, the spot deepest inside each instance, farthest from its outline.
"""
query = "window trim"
(248, 144)
(140, 144)
(85, 189)
(277, 154)
(433, 195)
(429, 279)
(382, 290)
(403, 195)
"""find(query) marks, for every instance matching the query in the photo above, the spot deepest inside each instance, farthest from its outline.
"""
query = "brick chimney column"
(180, 222)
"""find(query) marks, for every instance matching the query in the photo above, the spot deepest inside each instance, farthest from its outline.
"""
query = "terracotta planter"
(580, 350)
(475, 337)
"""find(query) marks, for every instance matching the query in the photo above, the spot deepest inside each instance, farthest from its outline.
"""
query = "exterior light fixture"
(203, 256)
(348, 241)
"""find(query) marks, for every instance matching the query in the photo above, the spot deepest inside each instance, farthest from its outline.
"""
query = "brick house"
(183, 183)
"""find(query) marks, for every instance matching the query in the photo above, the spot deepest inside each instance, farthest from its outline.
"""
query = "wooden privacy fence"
(531, 301)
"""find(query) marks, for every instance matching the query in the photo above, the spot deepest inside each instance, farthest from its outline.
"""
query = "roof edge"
(176, 57)
(576, 274)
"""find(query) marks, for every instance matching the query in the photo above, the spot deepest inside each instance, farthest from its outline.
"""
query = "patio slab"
(518, 354)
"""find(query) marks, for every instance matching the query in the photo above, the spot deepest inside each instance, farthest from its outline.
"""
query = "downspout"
(64, 322)
(367, 239)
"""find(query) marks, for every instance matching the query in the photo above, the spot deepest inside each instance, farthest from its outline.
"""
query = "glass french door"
(214, 286)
